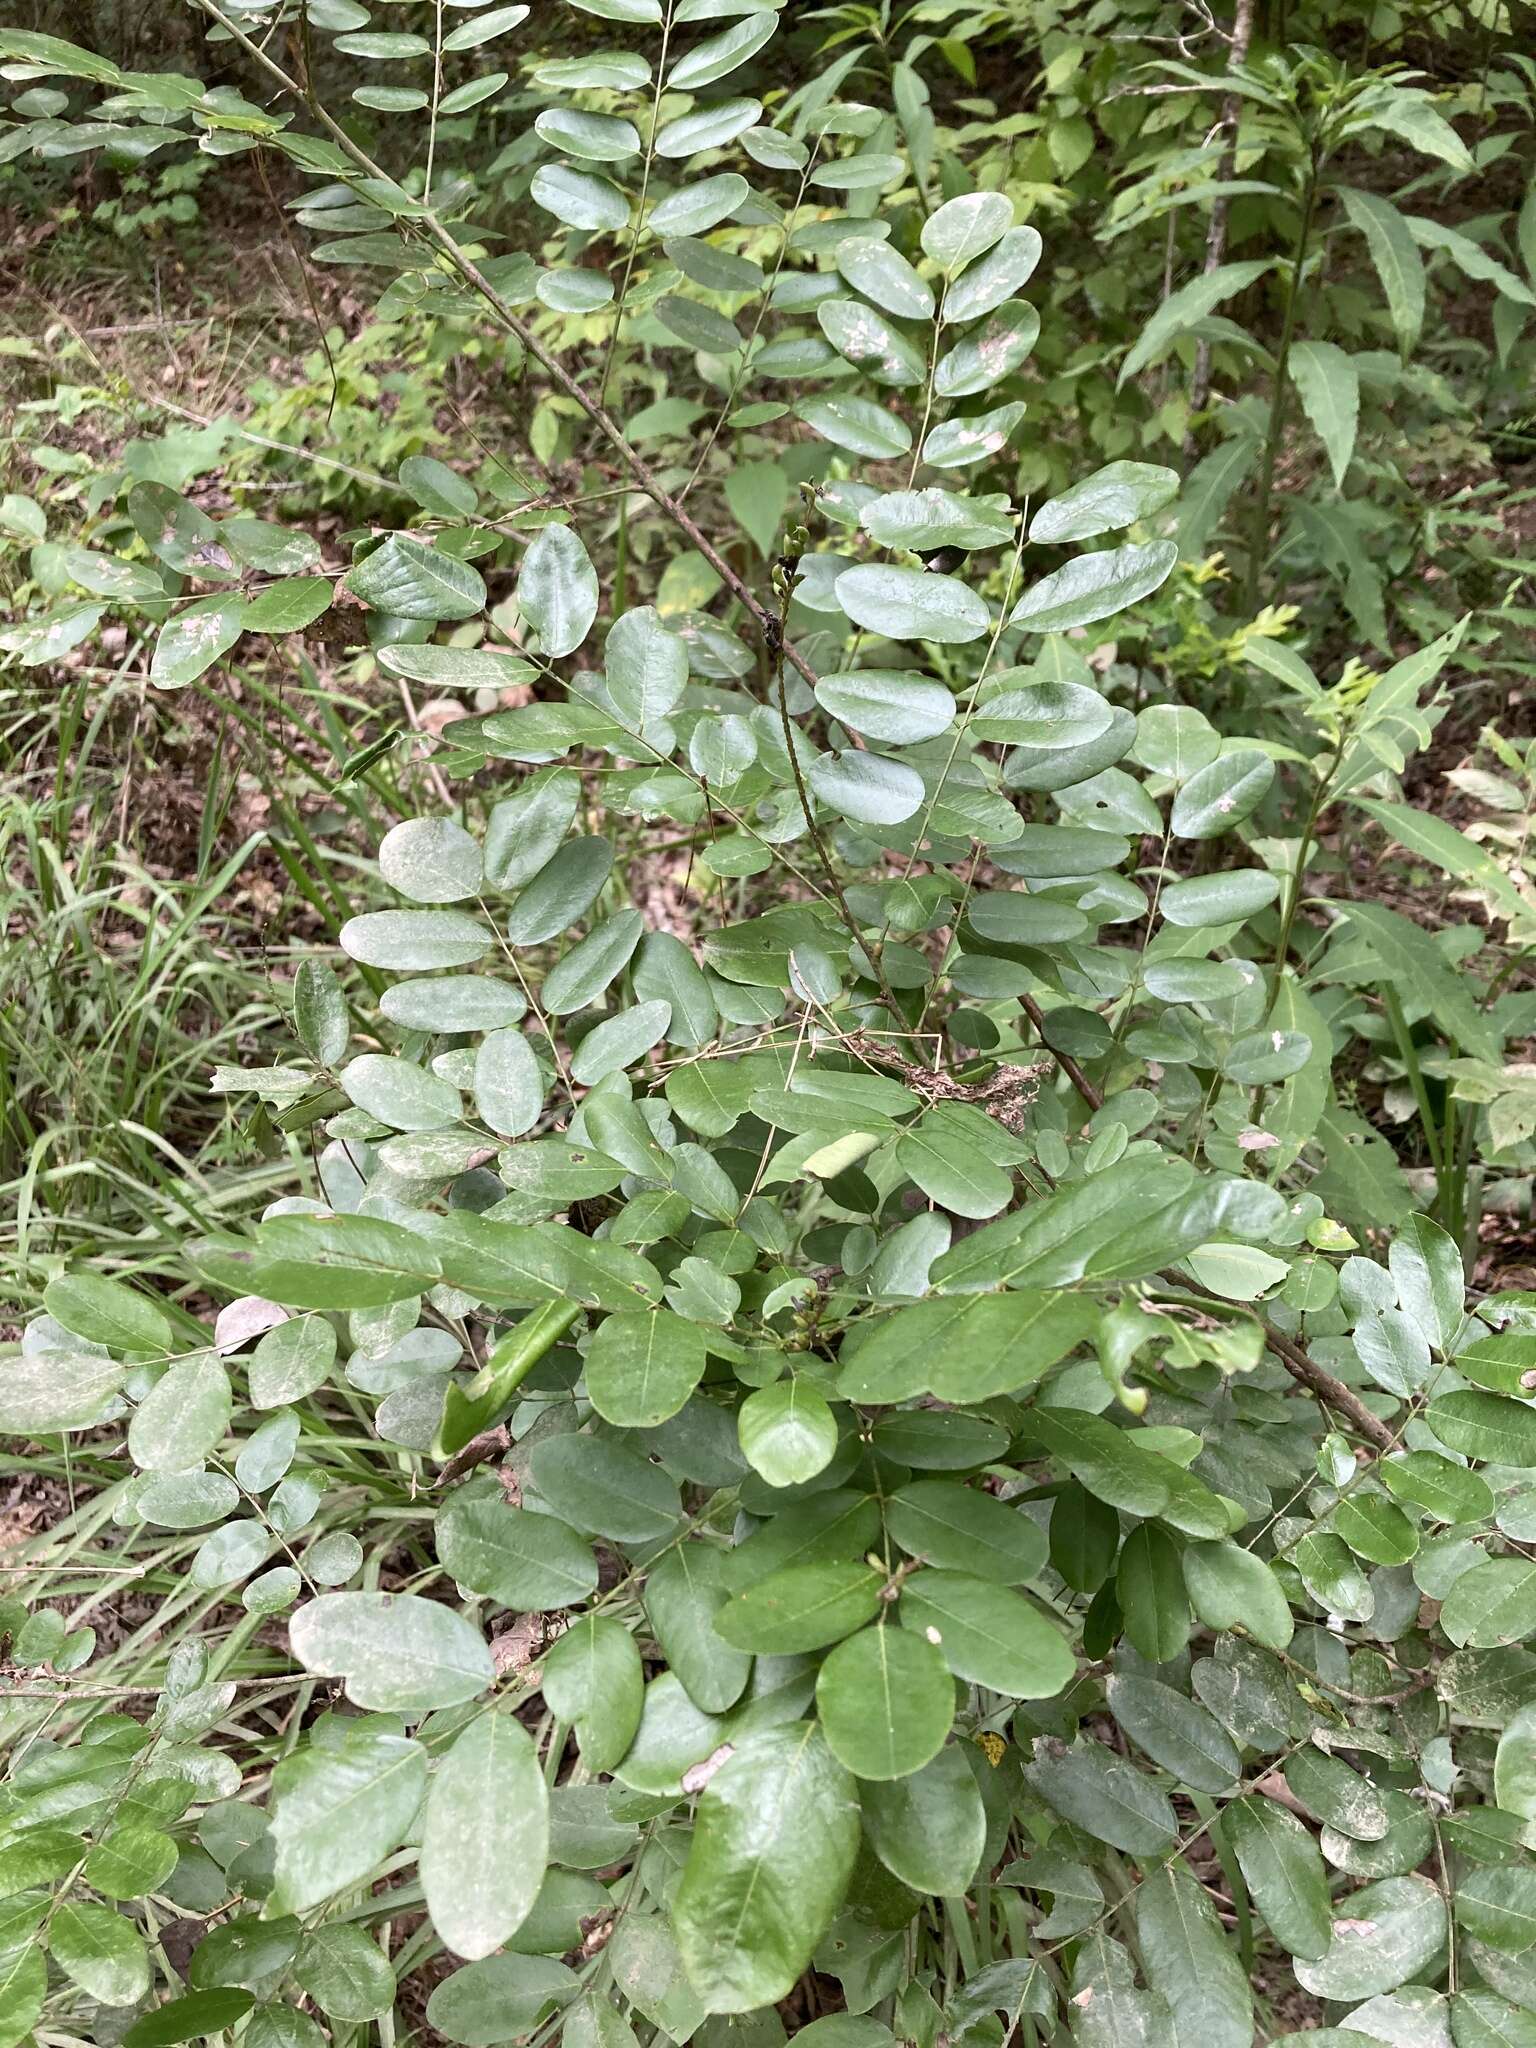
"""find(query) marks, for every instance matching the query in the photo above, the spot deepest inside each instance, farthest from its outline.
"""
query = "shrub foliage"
(875, 1407)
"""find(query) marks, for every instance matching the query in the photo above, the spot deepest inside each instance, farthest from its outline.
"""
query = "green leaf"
(948, 1168)
(719, 56)
(100, 1951)
(1284, 1873)
(430, 860)
(930, 1828)
(1190, 1961)
(886, 1701)
(1113, 497)
(857, 424)
(133, 1861)
(1498, 1905)
(666, 971)
(758, 493)
(935, 518)
(1231, 1588)
(961, 1528)
(485, 1839)
(788, 1432)
(1374, 1529)
(1110, 1800)
(962, 229)
(322, 1262)
(42, 1392)
(1222, 794)
(1328, 384)
(1177, 1733)
(1093, 587)
(619, 1041)
(397, 1652)
(1485, 1426)
(557, 589)
(1389, 1934)
(605, 1490)
(580, 199)
(182, 1417)
(1192, 302)
(104, 1311)
(641, 1367)
(1436, 1486)
(409, 580)
(1149, 1585)
(594, 1680)
(684, 1592)
(1396, 257)
(1493, 1604)
(338, 1811)
(531, 1563)
(773, 1850)
(508, 1087)
(499, 1998)
(911, 604)
(1514, 1769)
(344, 1973)
(802, 1608)
(707, 127)
(966, 1348)
(198, 2017)
(988, 1634)
(595, 138)
(1480, 2020)
(1227, 898)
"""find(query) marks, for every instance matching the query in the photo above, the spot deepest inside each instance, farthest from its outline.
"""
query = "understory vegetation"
(767, 1098)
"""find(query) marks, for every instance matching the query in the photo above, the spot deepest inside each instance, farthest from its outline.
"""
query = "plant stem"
(1303, 855)
(1216, 233)
(1259, 545)
(1408, 1053)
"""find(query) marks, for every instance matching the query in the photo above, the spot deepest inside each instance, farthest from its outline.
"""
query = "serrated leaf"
(1328, 384)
